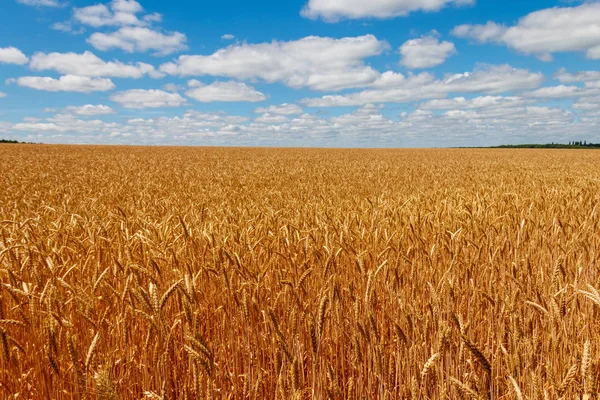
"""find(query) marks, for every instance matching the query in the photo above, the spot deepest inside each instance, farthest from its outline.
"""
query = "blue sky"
(339, 73)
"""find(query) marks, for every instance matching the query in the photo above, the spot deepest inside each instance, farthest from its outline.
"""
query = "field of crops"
(197, 273)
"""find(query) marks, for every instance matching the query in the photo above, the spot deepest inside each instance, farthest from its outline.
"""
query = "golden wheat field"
(213, 273)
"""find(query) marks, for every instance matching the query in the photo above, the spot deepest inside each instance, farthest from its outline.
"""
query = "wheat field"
(214, 273)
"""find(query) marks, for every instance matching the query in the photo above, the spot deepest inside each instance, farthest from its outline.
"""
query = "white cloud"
(139, 39)
(36, 127)
(135, 33)
(595, 85)
(224, 92)
(67, 83)
(195, 83)
(140, 98)
(482, 121)
(40, 3)
(501, 121)
(12, 55)
(270, 119)
(583, 76)
(425, 52)
(283, 109)
(526, 117)
(67, 26)
(593, 53)
(318, 63)
(589, 106)
(172, 87)
(459, 103)
(333, 10)
(89, 110)
(192, 125)
(547, 31)
(490, 32)
(555, 92)
(227, 36)
(491, 79)
(566, 91)
(154, 17)
(366, 119)
(126, 6)
(391, 79)
(88, 64)
(2, 94)
(118, 13)
(65, 123)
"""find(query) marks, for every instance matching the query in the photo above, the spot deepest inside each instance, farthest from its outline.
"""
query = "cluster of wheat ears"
(185, 273)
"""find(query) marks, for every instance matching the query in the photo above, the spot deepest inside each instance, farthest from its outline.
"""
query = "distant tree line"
(14, 142)
(571, 145)
(584, 144)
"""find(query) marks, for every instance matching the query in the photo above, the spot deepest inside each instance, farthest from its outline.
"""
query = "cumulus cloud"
(582, 76)
(224, 92)
(88, 64)
(154, 17)
(482, 121)
(391, 79)
(490, 32)
(499, 122)
(459, 103)
(271, 119)
(68, 123)
(67, 26)
(139, 39)
(425, 52)
(282, 109)
(566, 91)
(588, 106)
(526, 117)
(365, 119)
(2, 94)
(90, 110)
(117, 13)
(490, 79)
(319, 63)
(543, 32)
(12, 55)
(135, 33)
(334, 10)
(40, 3)
(140, 98)
(172, 87)
(66, 83)
(555, 92)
